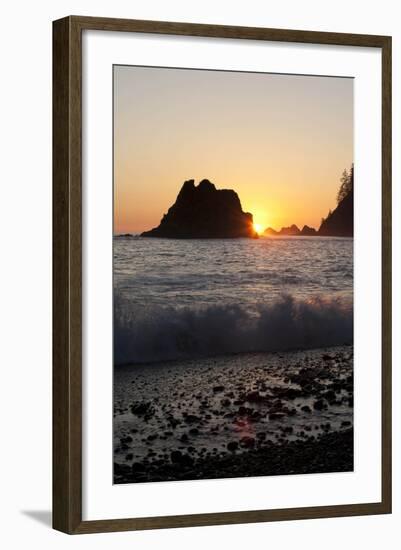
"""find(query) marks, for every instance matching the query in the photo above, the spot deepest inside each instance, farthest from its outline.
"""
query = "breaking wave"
(160, 334)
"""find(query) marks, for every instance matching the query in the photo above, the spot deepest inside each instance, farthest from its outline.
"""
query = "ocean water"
(185, 299)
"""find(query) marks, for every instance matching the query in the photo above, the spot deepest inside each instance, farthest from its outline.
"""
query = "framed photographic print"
(222, 272)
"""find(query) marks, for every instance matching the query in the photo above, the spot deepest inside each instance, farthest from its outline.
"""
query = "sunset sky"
(280, 141)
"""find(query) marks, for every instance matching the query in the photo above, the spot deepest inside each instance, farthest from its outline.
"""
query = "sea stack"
(204, 212)
(307, 231)
(291, 231)
(270, 232)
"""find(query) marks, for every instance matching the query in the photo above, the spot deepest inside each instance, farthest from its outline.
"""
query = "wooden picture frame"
(67, 274)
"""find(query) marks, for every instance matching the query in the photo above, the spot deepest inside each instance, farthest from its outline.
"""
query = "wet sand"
(234, 416)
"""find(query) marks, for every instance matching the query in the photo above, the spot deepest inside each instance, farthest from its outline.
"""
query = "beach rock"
(176, 457)
(329, 395)
(204, 212)
(288, 429)
(319, 405)
(137, 467)
(247, 442)
(276, 415)
(245, 411)
(303, 377)
(141, 409)
(191, 419)
(288, 393)
(121, 468)
(277, 406)
(255, 397)
(174, 422)
(218, 389)
(232, 446)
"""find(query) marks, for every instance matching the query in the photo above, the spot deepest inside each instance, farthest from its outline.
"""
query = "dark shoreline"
(233, 354)
(331, 452)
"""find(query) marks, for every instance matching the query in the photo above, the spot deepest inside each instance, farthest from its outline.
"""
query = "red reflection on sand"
(244, 426)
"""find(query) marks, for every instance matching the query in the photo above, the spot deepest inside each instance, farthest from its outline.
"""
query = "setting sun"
(258, 227)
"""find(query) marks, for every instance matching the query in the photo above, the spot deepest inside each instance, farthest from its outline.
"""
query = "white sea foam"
(156, 333)
(180, 299)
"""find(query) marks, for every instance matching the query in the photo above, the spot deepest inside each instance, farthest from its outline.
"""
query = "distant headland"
(204, 212)
(338, 223)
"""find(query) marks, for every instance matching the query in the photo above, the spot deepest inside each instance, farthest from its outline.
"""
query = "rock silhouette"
(307, 231)
(204, 212)
(270, 232)
(291, 231)
(340, 222)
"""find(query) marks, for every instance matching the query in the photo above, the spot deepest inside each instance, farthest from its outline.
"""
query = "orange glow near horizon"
(280, 141)
(259, 228)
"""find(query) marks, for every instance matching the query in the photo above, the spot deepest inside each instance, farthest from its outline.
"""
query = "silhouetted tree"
(347, 184)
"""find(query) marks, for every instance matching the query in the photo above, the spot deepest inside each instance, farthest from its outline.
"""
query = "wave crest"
(167, 333)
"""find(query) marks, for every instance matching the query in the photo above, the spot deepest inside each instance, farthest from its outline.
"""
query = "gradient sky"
(280, 141)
